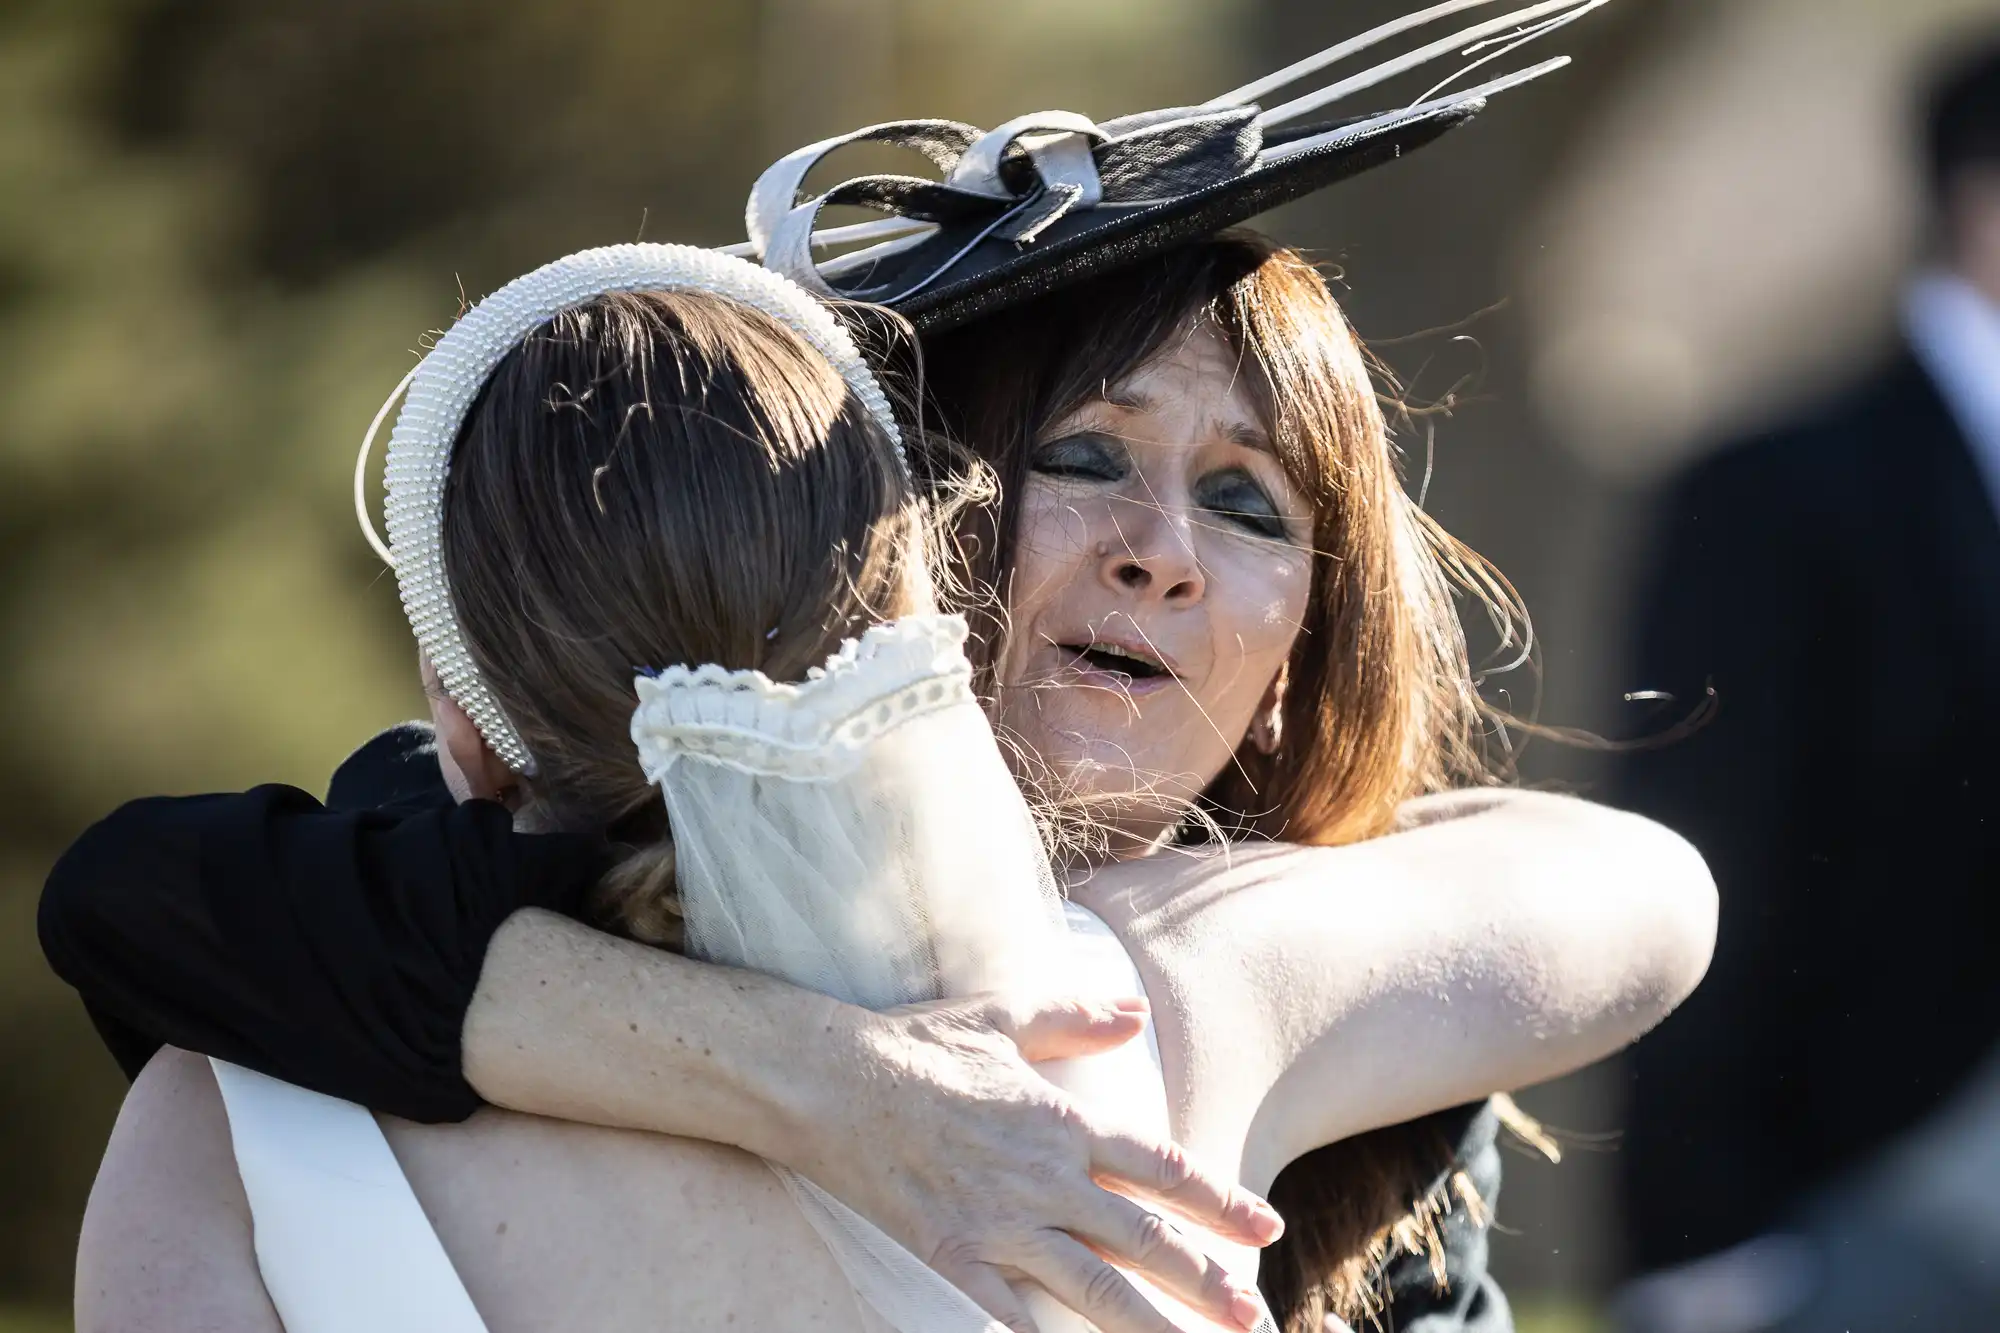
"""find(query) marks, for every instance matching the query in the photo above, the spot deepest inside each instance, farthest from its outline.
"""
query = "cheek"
(1257, 600)
(1053, 551)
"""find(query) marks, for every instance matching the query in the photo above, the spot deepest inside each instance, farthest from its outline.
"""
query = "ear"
(471, 770)
(1267, 728)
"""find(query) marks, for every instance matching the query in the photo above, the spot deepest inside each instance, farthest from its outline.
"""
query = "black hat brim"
(995, 274)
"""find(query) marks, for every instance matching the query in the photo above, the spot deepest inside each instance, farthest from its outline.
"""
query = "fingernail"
(1135, 1004)
(1245, 1309)
(1266, 1222)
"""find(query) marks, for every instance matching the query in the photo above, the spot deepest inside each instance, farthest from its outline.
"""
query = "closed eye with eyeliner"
(1233, 493)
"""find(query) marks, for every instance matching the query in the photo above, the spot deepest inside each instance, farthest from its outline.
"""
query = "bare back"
(555, 1225)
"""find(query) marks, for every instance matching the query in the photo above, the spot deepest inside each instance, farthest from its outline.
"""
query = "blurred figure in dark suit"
(1814, 1140)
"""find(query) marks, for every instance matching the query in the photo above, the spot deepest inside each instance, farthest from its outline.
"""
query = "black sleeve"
(396, 770)
(334, 948)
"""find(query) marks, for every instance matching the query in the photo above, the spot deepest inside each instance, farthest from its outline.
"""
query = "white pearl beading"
(443, 386)
(813, 731)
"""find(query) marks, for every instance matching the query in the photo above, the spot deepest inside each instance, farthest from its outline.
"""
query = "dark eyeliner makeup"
(1092, 457)
(1086, 456)
(1240, 498)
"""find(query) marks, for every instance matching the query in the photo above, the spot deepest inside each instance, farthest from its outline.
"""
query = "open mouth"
(1117, 661)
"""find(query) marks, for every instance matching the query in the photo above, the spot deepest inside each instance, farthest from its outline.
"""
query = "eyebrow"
(1242, 433)
(1128, 399)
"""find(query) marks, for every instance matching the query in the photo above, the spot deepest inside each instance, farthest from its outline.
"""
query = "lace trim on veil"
(816, 730)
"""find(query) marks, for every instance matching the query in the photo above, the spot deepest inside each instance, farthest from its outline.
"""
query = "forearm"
(928, 1119)
(571, 1023)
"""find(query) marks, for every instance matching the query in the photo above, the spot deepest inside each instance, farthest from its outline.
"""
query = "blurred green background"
(226, 226)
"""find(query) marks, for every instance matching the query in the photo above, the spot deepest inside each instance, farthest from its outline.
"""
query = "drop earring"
(1267, 733)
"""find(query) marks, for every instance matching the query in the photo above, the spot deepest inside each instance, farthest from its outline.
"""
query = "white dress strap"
(341, 1240)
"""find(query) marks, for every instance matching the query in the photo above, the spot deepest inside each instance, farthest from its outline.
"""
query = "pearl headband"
(439, 391)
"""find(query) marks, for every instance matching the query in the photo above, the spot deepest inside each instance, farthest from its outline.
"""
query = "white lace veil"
(858, 834)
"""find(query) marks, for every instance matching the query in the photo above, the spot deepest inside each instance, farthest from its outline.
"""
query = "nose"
(1152, 555)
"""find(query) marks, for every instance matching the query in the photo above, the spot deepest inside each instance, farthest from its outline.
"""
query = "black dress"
(337, 947)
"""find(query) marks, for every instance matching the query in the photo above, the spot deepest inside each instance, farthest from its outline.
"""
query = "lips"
(1114, 664)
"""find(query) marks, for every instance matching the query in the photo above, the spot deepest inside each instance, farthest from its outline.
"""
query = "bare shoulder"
(166, 1242)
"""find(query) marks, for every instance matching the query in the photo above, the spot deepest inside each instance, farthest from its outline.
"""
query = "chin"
(1095, 769)
(1093, 749)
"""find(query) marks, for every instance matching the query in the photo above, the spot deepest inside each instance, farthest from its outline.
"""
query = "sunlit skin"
(1156, 523)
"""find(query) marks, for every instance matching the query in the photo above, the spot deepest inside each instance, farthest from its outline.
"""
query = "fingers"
(1141, 1240)
(1093, 1288)
(1059, 1029)
(1163, 1172)
(983, 1283)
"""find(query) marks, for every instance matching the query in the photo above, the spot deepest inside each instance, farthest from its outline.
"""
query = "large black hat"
(1051, 198)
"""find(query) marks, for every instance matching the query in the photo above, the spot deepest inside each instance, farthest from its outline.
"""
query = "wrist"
(805, 1095)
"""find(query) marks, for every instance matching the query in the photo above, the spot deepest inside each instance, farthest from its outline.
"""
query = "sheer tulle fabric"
(858, 834)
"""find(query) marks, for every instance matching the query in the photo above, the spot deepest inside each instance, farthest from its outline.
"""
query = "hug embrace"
(953, 777)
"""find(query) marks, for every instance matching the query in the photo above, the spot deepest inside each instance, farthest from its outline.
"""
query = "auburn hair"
(1381, 705)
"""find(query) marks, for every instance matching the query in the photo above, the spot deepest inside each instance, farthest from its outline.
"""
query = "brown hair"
(1381, 705)
(653, 479)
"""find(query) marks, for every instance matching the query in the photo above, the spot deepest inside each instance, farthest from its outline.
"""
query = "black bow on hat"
(1051, 198)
